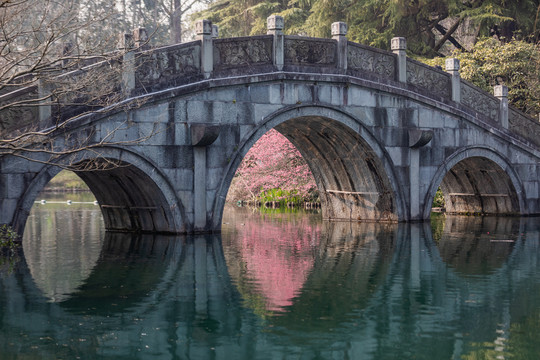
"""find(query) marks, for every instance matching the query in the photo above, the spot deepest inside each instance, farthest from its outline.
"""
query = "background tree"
(165, 20)
(273, 170)
(44, 48)
(502, 47)
(514, 63)
(374, 22)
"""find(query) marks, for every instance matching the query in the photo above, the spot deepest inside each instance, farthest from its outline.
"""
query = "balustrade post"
(44, 109)
(126, 45)
(203, 29)
(399, 47)
(501, 92)
(66, 53)
(339, 33)
(275, 25)
(140, 38)
(452, 67)
(215, 31)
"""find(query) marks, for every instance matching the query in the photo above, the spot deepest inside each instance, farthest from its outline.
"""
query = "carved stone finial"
(500, 91)
(215, 31)
(203, 27)
(399, 43)
(452, 64)
(140, 36)
(125, 41)
(275, 23)
(339, 28)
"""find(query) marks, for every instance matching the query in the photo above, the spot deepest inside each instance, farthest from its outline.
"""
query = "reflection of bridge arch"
(165, 286)
(412, 308)
(478, 180)
(351, 264)
(354, 173)
(133, 194)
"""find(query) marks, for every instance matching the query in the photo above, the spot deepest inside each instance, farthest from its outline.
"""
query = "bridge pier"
(202, 136)
(380, 132)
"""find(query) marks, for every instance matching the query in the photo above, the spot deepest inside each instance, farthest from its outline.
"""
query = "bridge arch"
(133, 195)
(352, 169)
(477, 180)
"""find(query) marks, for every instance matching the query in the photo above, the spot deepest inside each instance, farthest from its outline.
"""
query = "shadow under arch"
(133, 196)
(353, 172)
(352, 262)
(475, 245)
(477, 180)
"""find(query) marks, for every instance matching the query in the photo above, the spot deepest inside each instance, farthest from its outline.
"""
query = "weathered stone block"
(8, 207)
(399, 155)
(364, 115)
(245, 130)
(233, 93)
(180, 111)
(361, 97)
(430, 118)
(181, 178)
(217, 156)
(16, 185)
(531, 189)
(214, 177)
(259, 94)
(154, 133)
(261, 112)
(181, 132)
(244, 113)
(154, 113)
(229, 136)
(445, 137)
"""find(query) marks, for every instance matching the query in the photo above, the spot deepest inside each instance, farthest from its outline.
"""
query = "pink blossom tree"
(273, 169)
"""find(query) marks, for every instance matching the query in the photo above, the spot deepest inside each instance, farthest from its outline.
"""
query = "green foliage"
(375, 22)
(281, 196)
(438, 200)
(515, 63)
(8, 240)
(437, 226)
(67, 180)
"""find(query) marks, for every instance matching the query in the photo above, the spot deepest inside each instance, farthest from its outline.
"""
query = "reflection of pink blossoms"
(272, 163)
(278, 257)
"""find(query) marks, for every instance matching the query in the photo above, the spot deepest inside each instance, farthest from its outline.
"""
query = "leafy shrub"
(8, 239)
(515, 64)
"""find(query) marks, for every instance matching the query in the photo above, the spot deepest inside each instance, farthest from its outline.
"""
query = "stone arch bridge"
(380, 132)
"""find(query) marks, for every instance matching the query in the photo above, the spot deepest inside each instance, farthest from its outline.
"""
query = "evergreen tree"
(375, 22)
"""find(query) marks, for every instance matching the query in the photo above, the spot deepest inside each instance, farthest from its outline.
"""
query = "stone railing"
(14, 117)
(139, 70)
(428, 78)
(368, 60)
(253, 54)
(167, 66)
(482, 102)
(524, 126)
(304, 51)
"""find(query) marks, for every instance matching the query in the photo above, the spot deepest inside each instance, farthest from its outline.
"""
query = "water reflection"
(61, 245)
(310, 272)
(476, 245)
(270, 256)
(285, 286)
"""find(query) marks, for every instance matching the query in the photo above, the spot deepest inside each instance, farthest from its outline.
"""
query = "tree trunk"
(175, 22)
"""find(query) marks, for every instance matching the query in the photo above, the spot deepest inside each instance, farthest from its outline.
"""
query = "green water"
(273, 286)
